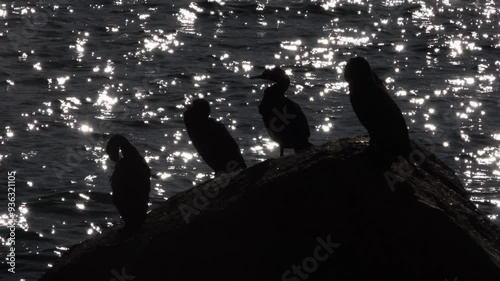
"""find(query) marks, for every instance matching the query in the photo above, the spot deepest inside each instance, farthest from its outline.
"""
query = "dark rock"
(329, 213)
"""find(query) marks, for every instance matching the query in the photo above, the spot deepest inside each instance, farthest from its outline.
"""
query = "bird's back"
(215, 145)
(380, 115)
(284, 120)
(130, 184)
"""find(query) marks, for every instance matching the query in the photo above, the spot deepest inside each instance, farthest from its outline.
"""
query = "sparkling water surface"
(72, 73)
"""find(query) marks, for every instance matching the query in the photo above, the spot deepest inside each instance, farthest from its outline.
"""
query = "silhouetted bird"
(130, 182)
(376, 110)
(284, 120)
(211, 139)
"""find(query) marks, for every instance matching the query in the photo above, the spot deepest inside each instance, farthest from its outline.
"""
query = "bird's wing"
(131, 176)
(299, 122)
(228, 144)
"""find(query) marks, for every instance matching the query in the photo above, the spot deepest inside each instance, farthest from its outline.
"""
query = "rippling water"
(73, 73)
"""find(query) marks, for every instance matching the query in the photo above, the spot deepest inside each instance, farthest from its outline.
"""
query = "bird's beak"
(256, 77)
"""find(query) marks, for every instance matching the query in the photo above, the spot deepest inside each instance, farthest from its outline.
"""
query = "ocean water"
(72, 73)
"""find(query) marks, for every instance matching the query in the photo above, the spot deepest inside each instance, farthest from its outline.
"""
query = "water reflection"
(130, 67)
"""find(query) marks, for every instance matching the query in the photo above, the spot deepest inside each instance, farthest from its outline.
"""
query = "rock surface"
(330, 213)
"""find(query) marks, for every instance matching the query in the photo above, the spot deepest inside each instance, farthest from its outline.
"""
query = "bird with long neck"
(211, 139)
(283, 118)
(130, 182)
(376, 110)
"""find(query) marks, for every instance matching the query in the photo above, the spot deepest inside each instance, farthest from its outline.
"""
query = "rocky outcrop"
(334, 212)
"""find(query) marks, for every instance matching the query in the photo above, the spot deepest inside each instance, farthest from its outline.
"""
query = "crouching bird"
(130, 182)
(376, 110)
(283, 118)
(211, 139)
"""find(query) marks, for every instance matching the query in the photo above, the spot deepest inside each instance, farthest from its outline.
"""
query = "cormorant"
(284, 120)
(376, 110)
(130, 182)
(211, 139)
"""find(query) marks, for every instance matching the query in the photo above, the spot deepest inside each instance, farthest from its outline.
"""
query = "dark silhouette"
(376, 110)
(284, 120)
(130, 182)
(211, 139)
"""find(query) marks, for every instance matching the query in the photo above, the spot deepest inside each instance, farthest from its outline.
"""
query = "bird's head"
(200, 108)
(113, 147)
(357, 69)
(276, 75)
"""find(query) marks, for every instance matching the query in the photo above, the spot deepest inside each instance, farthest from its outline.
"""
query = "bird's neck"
(356, 85)
(283, 84)
(128, 150)
(277, 90)
(364, 83)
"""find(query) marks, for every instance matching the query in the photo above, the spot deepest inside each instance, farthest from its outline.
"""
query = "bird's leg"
(282, 150)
